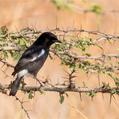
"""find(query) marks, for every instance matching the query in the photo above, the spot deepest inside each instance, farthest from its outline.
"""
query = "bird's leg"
(23, 83)
(40, 82)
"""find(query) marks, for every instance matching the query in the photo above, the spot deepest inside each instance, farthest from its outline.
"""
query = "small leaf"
(61, 98)
(3, 30)
(113, 92)
(66, 94)
(31, 95)
(87, 54)
(15, 55)
(91, 94)
(22, 42)
(5, 54)
(62, 4)
(97, 9)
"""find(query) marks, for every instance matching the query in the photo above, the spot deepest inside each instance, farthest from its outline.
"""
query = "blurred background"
(101, 15)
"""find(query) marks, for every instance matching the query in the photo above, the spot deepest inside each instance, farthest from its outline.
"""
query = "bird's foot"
(42, 83)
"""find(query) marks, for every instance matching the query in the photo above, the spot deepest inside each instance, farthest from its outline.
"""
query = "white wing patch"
(40, 54)
(22, 73)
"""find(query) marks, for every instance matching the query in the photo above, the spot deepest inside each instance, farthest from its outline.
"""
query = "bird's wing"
(30, 55)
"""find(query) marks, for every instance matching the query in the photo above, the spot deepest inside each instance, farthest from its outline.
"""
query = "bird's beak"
(58, 41)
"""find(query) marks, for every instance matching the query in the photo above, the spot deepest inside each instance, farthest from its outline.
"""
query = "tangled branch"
(13, 44)
(63, 89)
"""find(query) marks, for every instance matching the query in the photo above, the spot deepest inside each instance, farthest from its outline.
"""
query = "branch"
(23, 108)
(103, 35)
(67, 89)
(99, 57)
(32, 34)
(62, 89)
(6, 63)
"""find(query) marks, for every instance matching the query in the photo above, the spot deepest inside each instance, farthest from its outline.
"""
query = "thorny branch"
(62, 89)
(31, 33)
(18, 41)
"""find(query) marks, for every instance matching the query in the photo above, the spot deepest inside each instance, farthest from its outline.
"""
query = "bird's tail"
(15, 85)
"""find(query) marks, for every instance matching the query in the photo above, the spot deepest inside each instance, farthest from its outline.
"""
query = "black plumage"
(32, 59)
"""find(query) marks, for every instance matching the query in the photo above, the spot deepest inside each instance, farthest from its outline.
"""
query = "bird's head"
(47, 39)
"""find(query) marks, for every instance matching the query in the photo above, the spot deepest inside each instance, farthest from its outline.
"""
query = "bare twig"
(21, 103)
(6, 63)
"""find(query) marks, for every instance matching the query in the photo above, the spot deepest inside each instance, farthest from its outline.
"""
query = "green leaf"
(97, 9)
(31, 95)
(16, 55)
(87, 54)
(5, 54)
(62, 4)
(92, 94)
(61, 98)
(113, 92)
(83, 43)
(3, 30)
(23, 42)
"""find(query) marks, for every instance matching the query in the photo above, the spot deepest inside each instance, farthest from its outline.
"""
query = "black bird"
(32, 59)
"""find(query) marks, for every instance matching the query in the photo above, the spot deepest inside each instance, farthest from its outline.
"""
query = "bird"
(32, 59)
